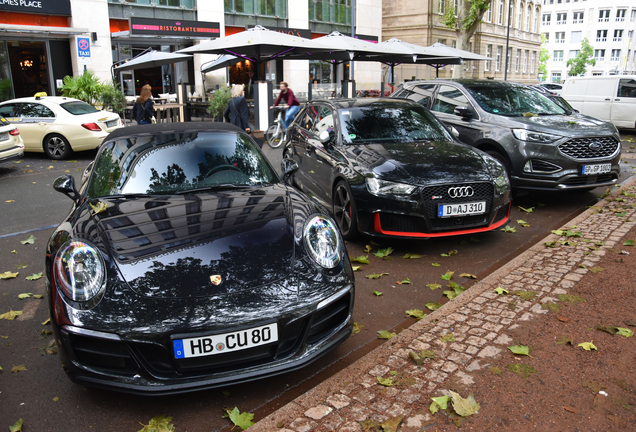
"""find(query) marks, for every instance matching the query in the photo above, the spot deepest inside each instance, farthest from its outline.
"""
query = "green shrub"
(219, 102)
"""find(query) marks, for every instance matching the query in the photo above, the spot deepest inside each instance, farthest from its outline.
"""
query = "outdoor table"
(168, 112)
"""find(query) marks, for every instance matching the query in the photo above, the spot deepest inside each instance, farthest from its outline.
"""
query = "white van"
(611, 98)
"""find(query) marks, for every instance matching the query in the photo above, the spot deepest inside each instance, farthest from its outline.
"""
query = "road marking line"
(28, 311)
(28, 231)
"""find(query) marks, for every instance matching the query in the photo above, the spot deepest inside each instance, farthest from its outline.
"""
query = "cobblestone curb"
(479, 321)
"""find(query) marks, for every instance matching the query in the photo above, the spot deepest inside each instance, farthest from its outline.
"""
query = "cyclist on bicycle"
(287, 95)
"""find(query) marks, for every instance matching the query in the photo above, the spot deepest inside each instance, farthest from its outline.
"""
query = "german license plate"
(462, 209)
(4, 136)
(596, 169)
(226, 342)
(111, 123)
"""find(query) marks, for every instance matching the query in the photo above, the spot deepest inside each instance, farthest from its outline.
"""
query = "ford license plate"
(596, 169)
(226, 342)
(111, 123)
(462, 209)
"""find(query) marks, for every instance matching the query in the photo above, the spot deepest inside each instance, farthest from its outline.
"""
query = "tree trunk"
(466, 26)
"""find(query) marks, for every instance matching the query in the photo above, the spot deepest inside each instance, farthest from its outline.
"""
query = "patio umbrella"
(222, 61)
(442, 50)
(256, 44)
(152, 59)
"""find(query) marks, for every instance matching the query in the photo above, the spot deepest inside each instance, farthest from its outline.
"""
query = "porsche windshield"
(175, 163)
(513, 101)
(390, 123)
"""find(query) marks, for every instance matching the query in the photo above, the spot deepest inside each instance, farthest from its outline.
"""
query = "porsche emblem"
(215, 279)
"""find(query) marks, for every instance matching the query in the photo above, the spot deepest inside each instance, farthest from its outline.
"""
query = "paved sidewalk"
(480, 321)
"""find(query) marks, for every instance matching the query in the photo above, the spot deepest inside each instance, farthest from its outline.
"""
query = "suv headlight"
(79, 271)
(322, 241)
(537, 137)
(379, 187)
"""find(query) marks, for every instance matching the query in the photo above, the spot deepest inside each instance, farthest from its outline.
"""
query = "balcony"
(601, 39)
(614, 59)
(561, 22)
(617, 39)
(603, 20)
(577, 21)
(620, 19)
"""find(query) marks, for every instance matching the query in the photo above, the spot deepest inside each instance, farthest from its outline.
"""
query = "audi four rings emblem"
(461, 192)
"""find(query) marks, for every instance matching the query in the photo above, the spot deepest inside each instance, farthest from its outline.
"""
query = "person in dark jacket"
(236, 111)
(143, 110)
(287, 95)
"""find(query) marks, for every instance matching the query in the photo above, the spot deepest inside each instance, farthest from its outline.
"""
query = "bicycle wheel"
(274, 136)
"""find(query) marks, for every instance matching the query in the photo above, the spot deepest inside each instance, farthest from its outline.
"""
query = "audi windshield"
(382, 123)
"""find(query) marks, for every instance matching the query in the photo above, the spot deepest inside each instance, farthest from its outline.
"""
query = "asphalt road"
(30, 206)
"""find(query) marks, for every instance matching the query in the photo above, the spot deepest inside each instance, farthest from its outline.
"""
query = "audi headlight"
(379, 187)
(535, 137)
(322, 241)
(79, 271)
(498, 172)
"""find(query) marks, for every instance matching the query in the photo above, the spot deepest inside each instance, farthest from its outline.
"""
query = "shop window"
(6, 87)
(277, 8)
(187, 4)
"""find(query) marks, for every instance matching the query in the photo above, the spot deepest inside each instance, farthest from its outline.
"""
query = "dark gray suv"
(542, 145)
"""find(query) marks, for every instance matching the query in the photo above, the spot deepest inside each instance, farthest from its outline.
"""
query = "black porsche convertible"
(187, 263)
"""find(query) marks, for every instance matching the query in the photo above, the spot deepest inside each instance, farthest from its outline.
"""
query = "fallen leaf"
(386, 382)
(19, 368)
(509, 229)
(383, 334)
(361, 259)
(551, 244)
(435, 264)
(596, 269)
(468, 275)
(415, 313)
(381, 253)
(355, 268)
(24, 295)
(242, 420)
(523, 223)
(574, 299)
(570, 409)
(29, 240)
(34, 276)
(520, 350)
(628, 243)
(433, 306)
(55, 399)
(158, 424)
(588, 346)
(563, 319)
(564, 340)
(357, 328)
(392, 424)
(376, 275)
(9, 275)
(17, 426)
(440, 402)
(411, 256)
(377, 293)
(48, 321)
(613, 330)
(523, 370)
(464, 407)
(625, 332)
(528, 210)
(448, 275)
(433, 286)
(14, 251)
(447, 338)
(368, 249)
(11, 315)
(500, 290)
(10, 201)
(526, 295)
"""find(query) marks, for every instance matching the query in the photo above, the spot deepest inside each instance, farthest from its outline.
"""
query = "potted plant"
(218, 103)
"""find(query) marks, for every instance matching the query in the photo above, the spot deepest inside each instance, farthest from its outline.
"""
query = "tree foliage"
(88, 88)
(544, 56)
(465, 21)
(578, 64)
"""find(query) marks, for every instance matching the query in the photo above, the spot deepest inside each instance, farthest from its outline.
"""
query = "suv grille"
(580, 148)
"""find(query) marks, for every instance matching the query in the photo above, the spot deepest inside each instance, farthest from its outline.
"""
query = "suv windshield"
(176, 163)
(390, 123)
(78, 107)
(513, 101)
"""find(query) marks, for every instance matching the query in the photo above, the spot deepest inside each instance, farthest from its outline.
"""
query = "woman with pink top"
(287, 95)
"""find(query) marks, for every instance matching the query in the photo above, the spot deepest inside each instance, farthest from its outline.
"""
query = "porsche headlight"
(322, 241)
(79, 270)
(379, 187)
(534, 137)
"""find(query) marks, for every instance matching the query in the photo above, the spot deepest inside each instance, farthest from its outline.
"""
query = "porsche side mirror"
(288, 167)
(463, 112)
(66, 185)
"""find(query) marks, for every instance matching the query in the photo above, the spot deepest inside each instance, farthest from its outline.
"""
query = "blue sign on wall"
(83, 47)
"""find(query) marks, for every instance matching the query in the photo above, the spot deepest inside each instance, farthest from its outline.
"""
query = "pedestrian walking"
(293, 105)
(236, 111)
(143, 110)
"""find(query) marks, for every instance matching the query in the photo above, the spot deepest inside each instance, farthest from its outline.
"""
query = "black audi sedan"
(387, 167)
(187, 263)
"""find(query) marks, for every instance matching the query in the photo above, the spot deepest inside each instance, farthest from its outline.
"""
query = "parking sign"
(84, 50)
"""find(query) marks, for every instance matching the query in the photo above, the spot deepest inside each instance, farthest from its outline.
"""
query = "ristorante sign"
(163, 27)
(50, 7)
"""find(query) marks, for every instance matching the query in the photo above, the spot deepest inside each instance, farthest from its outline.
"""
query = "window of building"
(442, 41)
(500, 12)
(618, 35)
(576, 36)
(558, 56)
(517, 60)
(616, 54)
(532, 61)
(509, 58)
(573, 54)
(601, 35)
(186, 4)
(488, 54)
(334, 11)
(276, 8)
(599, 55)
(519, 16)
(603, 15)
(577, 18)
(525, 61)
(528, 16)
(441, 7)
(498, 58)
(536, 21)
(620, 15)
(546, 36)
(556, 77)
(489, 14)
(545, 19)
(632, 16)
(562, 18)
(559, 37)
(597, 73)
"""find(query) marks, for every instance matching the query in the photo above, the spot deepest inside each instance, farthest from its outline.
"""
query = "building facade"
(41, 42)
(608, 25)
(421, 22)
